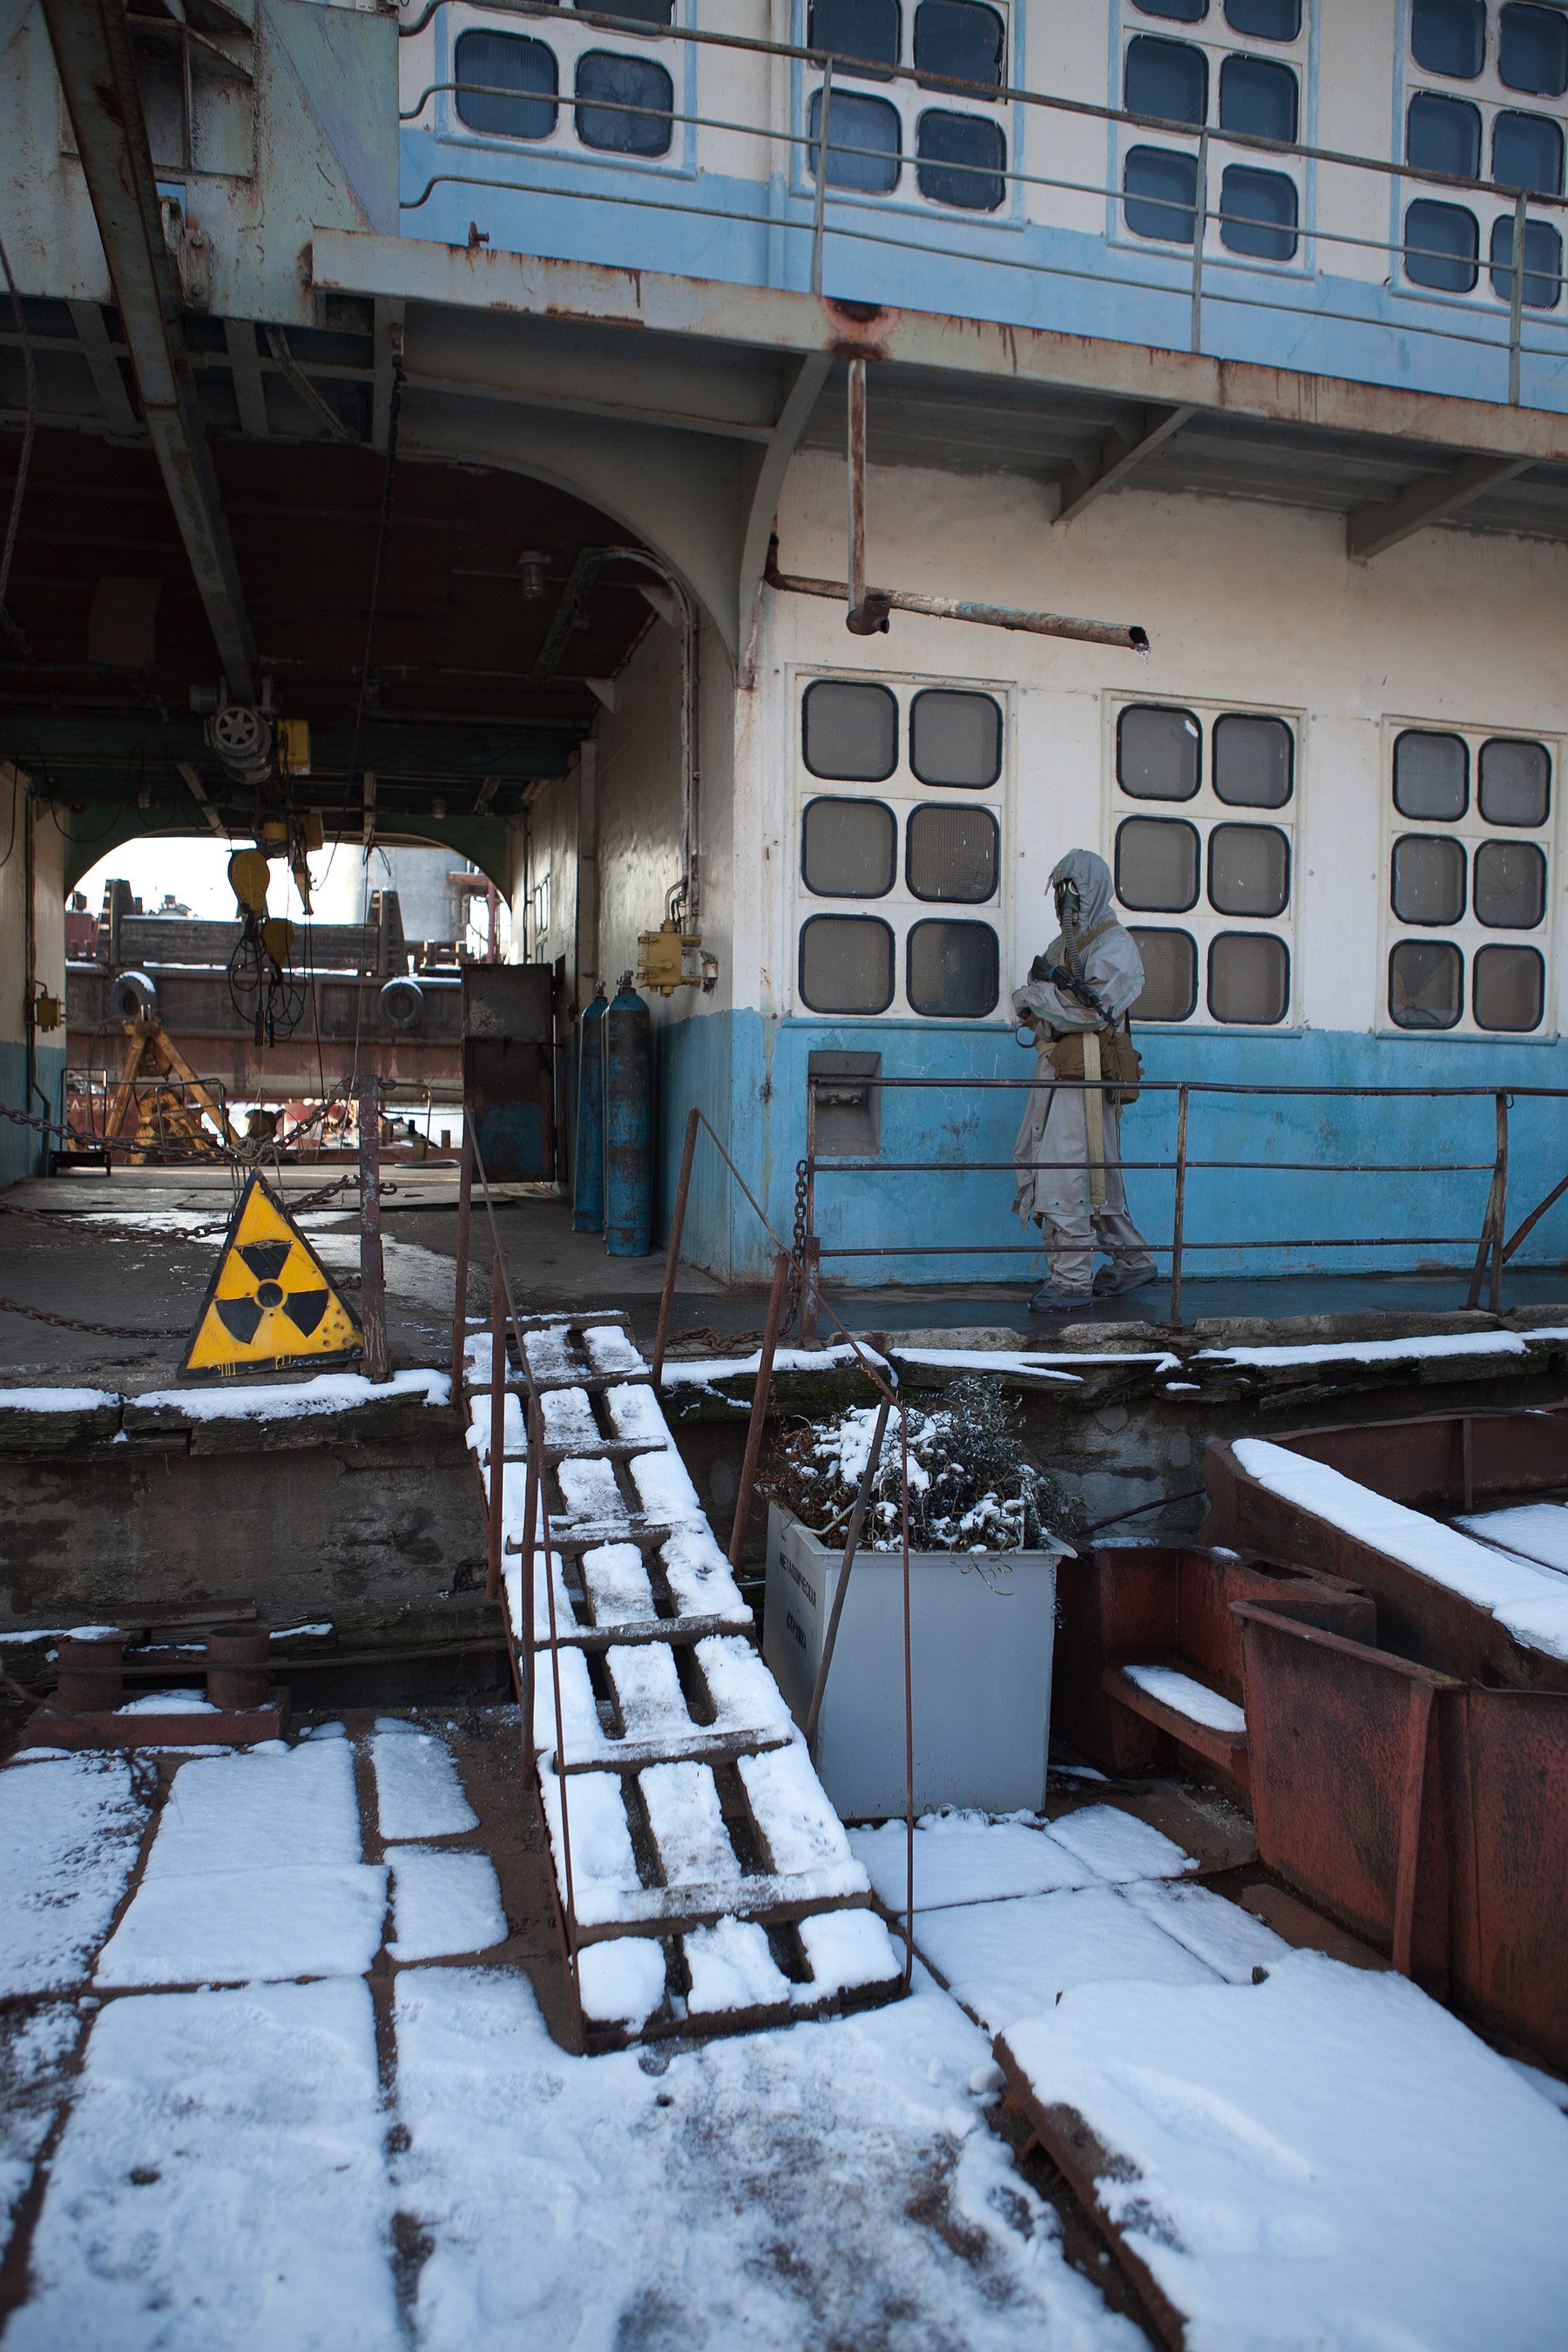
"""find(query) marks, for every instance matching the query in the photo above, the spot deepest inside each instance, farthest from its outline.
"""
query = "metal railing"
(1493, 1246)
(818, 197)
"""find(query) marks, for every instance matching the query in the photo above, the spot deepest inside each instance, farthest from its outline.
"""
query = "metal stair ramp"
(703, 1882)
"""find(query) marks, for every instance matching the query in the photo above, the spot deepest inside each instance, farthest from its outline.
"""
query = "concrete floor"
(137, 1250)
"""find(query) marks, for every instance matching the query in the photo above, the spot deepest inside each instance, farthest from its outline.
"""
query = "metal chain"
(97, 1330)
(191, 1233)
(795, 1287)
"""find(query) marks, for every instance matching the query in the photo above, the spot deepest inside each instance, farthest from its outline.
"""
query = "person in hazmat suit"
(1076, 1000)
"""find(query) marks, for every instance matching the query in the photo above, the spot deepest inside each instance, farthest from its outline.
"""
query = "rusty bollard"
(90, 1672)
(238, 1674)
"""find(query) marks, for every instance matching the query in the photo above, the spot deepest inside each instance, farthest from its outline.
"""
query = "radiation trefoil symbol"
(271, 1301)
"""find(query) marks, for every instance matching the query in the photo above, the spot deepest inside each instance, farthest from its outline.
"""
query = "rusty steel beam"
(769, 319)
(92, 44)
(104, 369)
(1382, 523)
(1120, 458)
(875, 604)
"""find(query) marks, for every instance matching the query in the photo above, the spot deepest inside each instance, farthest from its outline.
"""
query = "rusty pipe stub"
(91, 1667)
(239, 1667)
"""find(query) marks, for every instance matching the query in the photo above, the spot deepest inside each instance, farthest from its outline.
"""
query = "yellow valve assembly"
(664, 956)
(43, 1010)
(293, 739)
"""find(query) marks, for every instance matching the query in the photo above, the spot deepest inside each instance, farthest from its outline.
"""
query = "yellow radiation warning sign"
(269, 1302)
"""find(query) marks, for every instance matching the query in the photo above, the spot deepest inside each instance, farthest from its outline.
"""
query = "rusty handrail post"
(460, 1293)
(1500, 1225)
(759, 1407)
(371, 1265)
(816, 225)
(536, 1454)
(851, 1545)
(495, 1523)
(1179, 1216)
(672, 1256)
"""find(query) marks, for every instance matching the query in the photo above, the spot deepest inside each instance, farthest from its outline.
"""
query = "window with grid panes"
(1201, 855)
(914, 139)
(1469, 825)
(1469, 66)
(899, 800)
(565, 83)
(1237, 67)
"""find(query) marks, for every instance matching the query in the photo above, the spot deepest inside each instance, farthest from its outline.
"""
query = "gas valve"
(666, 956)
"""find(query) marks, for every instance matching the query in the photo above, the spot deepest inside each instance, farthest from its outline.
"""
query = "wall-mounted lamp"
(531, 567)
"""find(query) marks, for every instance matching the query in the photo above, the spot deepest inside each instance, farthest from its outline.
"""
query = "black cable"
(394, 408)
(25, 462)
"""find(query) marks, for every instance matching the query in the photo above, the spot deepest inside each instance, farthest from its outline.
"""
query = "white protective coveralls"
(1053, 1142)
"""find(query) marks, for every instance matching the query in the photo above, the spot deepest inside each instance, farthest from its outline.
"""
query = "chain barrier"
(96, 1330)
(795, 1290)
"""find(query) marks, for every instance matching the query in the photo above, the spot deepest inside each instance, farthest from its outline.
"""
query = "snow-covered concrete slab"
(830, 2186)
(69, 1831)
(966, 1857)
(1530, 1601)
(1118, 1846)
(1009, 1961)
(255, 1874)
(1379, 1351)
(1221, 1935)
(289, 1400)
(34, 2045)
(220, 2185)
(1538, 1531)
(417, 1792)
(443, 1903)
(1324, 2159)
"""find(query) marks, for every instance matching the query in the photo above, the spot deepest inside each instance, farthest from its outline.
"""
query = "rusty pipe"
(857, 619)
(878, 602)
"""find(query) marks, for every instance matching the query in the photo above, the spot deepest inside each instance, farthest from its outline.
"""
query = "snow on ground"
(1380, 1352)
(833, 2185)
(56, 1399)
(220, 2182)
(1009, 1961)
(1530, 1601)
(1325, 2158)
(967, 1857)
(417, 1792)
(255, 1873)
(34, 2045)
(1537, 1530)
(290, 1399)
(70, 1828)
(443, 1903)
(698, 1371)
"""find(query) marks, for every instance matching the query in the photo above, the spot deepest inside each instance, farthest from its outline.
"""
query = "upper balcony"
(1371, 192)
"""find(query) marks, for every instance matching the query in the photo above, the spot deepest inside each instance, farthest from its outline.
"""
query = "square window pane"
(1170, 960)
(956, 738)
(1444, 134)
(959, 37)
(867, 30)
(505, 61)
(1249, 869)
(1159, 193)
(847, 964)
(1265, 20)
(1507, 988)
(849, 849)
(951, 853)
(1527, 151)
(1515, 782)
(960, 159)
(850, 732)
(1167, 80)
(1254, 762)
(1532, 50)
(1182, 12)
(1449, 37)
(1440, 247)
(624, 103)
(1428, 884)
(1542, 263)
(1425, 984)
(1258, 97)
(863, 142)
(1157, 864)
(953, 971)
(1159, 752)
(1258, 213)
(1510, 886)
(1431, 775)
(1249, 978)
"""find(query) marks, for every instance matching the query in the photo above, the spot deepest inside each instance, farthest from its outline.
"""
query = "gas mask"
(1068, 905)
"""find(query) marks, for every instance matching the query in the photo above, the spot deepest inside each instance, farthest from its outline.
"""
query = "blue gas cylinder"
(628, 1124)
(588, 1185)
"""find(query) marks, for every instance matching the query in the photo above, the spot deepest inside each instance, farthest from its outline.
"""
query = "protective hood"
(1092, 877)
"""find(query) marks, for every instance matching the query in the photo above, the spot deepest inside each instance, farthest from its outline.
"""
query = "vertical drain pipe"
(866, 617)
